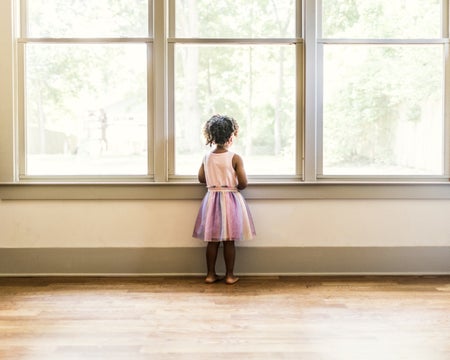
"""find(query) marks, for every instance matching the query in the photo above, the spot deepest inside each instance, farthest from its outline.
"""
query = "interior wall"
(282, 225)
(279, 223)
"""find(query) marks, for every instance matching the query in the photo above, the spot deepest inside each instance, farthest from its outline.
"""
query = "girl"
(223, 215)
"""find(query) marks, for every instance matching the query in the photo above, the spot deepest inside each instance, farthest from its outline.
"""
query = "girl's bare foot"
(211, 279)
(230, 280)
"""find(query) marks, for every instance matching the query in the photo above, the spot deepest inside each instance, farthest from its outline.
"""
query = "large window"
(84, 77)
(323, 90)
(382, 87)
(236, 58)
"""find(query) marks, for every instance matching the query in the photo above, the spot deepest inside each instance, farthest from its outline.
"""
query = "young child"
(224, 215)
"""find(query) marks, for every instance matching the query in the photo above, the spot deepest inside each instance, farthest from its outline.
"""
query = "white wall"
(279, 223)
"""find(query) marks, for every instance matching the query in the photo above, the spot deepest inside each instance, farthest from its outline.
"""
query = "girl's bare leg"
(211, 256)
(229, 254)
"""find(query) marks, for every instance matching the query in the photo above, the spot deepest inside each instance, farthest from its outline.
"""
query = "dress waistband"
(222, 188)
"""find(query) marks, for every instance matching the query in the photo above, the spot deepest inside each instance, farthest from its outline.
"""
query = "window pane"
(86, 109)
(87, 18)
(383, 110)
(253, 84)
(381, 19)
(235, 18)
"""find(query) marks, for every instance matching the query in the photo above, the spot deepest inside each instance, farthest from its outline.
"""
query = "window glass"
(86, 109)
(87, 18)
(255, 85)
(381, 19)
(235, 19)
(383, 110)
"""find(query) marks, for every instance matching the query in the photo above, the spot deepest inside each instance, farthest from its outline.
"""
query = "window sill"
(195, 191)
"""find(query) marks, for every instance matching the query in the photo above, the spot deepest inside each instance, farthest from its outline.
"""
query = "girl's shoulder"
(235, 159)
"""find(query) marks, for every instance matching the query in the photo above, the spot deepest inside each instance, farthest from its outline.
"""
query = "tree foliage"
(253, 83)
(68, 82)
(382, 104)
(379, 99)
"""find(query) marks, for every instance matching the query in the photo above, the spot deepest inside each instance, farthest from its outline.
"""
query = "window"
(86, 80)
(237, 58)
(324, 90)
(85, 87)
(382, 86)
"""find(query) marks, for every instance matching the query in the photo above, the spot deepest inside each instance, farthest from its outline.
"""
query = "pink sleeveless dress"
(224, 214)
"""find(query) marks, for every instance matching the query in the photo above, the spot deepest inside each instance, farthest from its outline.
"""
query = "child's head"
(219, 129)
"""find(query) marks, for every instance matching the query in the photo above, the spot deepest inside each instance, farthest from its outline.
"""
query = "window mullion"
(160, 82)
(446, 102)
(7, 94)
(300, 88)
(445, 19)
(170, 63)
(20, 163)
(310, 147)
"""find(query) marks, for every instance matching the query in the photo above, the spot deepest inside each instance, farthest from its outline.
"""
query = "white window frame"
(316, 67)
(160, 184)
(296, 41)
(22, 40)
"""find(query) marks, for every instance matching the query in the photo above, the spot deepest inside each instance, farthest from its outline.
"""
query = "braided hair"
(219, 129)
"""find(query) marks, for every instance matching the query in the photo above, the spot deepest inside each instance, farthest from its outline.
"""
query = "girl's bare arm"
(201, 175)
(238, 165)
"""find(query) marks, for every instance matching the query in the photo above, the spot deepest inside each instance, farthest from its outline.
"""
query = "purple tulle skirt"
(224, 215)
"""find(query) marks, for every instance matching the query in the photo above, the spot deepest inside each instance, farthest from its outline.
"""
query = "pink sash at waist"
(222, 188)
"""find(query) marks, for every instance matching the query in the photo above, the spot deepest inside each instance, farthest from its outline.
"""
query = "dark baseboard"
(249, 260)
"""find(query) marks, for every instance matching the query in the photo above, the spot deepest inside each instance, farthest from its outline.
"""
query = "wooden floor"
(257, 318)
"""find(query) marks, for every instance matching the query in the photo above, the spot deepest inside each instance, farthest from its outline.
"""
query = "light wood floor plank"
(258, 318)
